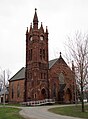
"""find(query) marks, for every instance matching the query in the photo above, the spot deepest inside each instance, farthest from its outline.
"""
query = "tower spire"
(41, 28)
(60, 55)
(35, 20)
(46, 30)
(27, 31)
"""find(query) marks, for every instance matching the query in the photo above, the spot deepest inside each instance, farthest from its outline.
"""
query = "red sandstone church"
(41, 78)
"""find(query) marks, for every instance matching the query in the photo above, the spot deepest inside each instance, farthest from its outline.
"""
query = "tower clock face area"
(31, 38)
(41, 38)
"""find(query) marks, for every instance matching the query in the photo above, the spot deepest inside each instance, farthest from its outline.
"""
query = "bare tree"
(8, 74)
(4, 77)
(78, 50)
(1, 79)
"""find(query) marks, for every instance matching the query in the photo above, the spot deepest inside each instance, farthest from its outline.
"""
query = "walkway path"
(41, 112)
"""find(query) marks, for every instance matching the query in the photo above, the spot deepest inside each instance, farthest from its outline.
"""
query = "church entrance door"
(43, 93)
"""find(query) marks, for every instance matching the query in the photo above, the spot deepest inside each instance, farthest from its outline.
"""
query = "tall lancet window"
(30, 54)
(61, 78)
(18, 90)
(43, 53)
(54, 90)
(12, 90)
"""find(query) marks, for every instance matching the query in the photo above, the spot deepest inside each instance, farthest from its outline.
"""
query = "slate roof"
(52, 62)
(19, 75)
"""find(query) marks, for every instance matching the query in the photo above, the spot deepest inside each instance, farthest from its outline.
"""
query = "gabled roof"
(19, 75)
(60, 60)
(52, 62)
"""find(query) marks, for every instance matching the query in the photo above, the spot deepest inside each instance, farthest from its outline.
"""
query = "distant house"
(6, 92)
(41, 78)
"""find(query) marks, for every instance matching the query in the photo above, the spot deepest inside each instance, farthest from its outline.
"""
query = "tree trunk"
(82, 96)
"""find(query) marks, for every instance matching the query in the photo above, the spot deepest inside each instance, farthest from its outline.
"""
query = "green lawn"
(9, 113)
(74, 111)
(8, 104)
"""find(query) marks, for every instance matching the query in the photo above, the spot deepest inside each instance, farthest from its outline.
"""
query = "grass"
(9, 113)
(74, 111)
(8, 104)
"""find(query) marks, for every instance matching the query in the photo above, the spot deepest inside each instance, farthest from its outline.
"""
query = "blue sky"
(63, 18)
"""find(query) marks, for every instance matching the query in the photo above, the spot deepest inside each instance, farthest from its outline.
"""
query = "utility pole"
(4, 88)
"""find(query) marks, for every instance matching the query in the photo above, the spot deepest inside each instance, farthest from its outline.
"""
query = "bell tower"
(36, 82)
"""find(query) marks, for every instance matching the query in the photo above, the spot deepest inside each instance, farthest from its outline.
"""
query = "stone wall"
(16, 91)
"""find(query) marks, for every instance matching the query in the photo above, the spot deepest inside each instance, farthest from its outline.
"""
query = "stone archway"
(43, 93)
(61, 93)
(68, 96)
(60, 96)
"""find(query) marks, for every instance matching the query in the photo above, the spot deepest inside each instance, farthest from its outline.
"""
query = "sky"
(63, 18)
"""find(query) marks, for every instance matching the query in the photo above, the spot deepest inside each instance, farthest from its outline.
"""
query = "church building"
(41, 78)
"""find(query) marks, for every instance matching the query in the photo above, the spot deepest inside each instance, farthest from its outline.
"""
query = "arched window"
(18, 90)
(54, 90)
(30, 54)
(61, 78)
(12, 90)
(41, 75)
(43, 53)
